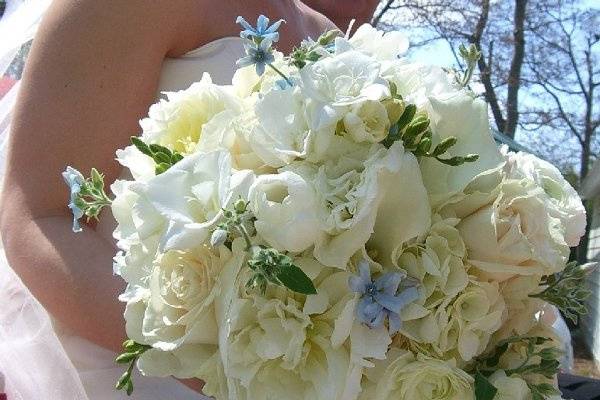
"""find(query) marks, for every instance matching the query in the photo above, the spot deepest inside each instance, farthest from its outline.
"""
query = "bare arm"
(91, 75)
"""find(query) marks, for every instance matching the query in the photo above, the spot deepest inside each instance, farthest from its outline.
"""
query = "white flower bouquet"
(338, 223)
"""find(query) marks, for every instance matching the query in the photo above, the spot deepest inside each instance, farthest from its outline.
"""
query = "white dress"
(42, 361)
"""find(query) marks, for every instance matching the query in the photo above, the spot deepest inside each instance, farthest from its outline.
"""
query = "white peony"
(381, 45)
(285, 208)
(178, 121)
(561, 200)
(373, 194)
(283, 134)
(333, 83)
(271, 346)
(406, 377)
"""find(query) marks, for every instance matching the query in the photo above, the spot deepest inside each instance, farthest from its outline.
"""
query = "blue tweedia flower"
(74, 180)
(262, 30)
(257, 54)
(381, 298)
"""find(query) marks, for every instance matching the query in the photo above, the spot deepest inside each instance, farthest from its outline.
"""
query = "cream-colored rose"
(367, 122)
(172, 309)
(285, 208)
(509, 387)
(507, 227)
(406, 377)
(561, 200)
(178, 121)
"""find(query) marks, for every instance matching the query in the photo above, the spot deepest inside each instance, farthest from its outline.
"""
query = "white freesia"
(507, 228)
(382, 45)
(199, 187)
(381, 199)
(177, 122)
(285, 208)
(141, 166)
(173, 311)
(406, 377)
(562, 201)
(333, 83)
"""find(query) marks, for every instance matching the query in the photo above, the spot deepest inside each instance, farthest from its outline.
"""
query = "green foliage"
(132, 351)
(312, 51)
(92, 198)
(567, 291)
(484, 390)
(162, 156)
(268, 264)
(412, 128)
(470, 55)
(271, 266)
(541, 361)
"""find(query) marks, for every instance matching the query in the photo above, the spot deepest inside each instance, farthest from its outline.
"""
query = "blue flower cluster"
(381, 298)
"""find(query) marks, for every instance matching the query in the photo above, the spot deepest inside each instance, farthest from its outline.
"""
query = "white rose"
(178, 121)
(333, 83)
(367, 122)
(406, 377)
(507, 228)
(173, 311)
(509, 387)
(191, 194)
(562, 201)
(381, 199)
(285, 207)
(382, 45)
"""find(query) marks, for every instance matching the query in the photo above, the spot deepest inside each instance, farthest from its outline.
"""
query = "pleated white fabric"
(38, 359)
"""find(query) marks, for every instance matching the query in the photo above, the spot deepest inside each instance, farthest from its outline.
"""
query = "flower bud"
(219, 237)
(240, 206)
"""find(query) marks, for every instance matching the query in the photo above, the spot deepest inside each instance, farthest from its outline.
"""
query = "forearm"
(71, 275)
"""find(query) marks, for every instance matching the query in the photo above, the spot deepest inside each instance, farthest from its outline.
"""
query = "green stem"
(242, 229)
(280, 74)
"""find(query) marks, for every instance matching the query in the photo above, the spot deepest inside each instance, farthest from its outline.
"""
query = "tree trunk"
(514, 75)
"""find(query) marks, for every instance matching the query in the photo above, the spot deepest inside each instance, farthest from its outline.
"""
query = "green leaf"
(484, 390)
(141, 146)
(125, 358)
(407, 116)
(296, 280)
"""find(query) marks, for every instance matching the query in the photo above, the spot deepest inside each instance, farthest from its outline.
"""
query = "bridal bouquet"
(338, 223)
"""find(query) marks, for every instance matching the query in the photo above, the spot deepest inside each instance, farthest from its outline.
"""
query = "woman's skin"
(341, 12)
(91, 75)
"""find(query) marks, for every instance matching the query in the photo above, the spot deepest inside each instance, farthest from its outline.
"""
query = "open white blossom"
(178, 121)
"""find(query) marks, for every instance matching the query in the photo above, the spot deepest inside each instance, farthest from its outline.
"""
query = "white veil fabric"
(33, 362)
